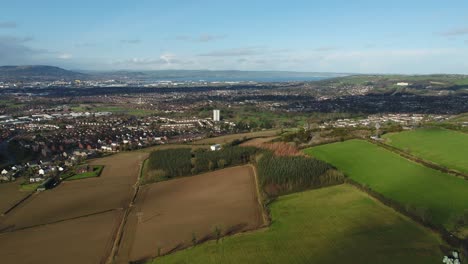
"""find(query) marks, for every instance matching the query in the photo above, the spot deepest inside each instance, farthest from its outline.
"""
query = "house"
(215, 147)
(82, 169)
(4, 172)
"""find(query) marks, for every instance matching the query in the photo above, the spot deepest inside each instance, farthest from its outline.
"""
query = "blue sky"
(325, 36)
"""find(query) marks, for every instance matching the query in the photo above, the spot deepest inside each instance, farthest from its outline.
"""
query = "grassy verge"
(331, 225)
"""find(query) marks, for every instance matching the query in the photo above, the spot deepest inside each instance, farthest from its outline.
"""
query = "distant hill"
(51, 73)
(37, 73)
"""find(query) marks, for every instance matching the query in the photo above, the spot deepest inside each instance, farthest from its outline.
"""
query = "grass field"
(441, 146)
(331, 225)
(441, 196)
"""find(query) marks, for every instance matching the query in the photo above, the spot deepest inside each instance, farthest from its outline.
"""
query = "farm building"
(215, 147)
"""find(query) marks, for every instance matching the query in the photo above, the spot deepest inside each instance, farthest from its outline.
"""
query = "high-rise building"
(216, 115)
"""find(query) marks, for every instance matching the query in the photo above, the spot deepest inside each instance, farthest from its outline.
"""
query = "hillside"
(37, 73)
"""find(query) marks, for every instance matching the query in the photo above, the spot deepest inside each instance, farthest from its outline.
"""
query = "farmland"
(81, 215)
(10, 194)
(441, 146)
(82, 240)
(331, 225)
(257, 141)
(438, 197)
(168, 215)
(230, 138)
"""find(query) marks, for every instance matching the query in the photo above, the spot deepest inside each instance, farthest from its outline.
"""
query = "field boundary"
(421, 161)
(265, 216)
(120, 231)
(18, 203)
(444, 234)
(58, 221)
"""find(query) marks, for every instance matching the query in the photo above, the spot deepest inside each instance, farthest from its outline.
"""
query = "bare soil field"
(230, 138)
(168, 215)
(83, 240)
(10, 195)
(174, 146)
(77, 221)
(257, 141)
(112, 190)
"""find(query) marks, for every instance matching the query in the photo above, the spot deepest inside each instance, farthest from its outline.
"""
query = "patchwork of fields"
(442, 197)
(79, 221)
(331, 225)
(444, 147)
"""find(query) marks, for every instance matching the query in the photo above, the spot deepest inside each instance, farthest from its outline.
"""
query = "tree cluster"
(284, 174)
(170, 163)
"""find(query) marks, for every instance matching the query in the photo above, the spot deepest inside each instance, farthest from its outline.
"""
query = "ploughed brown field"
(257, 141)
(83, 240)
(230, 138)
(167, 215)
(10, 195)
(82, 214)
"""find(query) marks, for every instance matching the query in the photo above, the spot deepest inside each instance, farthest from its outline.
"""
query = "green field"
(441, 146)
(441, 197)
(97, 169)
(331, 225)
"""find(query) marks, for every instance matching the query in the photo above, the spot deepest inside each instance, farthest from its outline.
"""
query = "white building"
(215, 147)
(216, 115)
(402, 84)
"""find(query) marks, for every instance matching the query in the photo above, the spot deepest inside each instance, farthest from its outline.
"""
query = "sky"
(410, 37)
